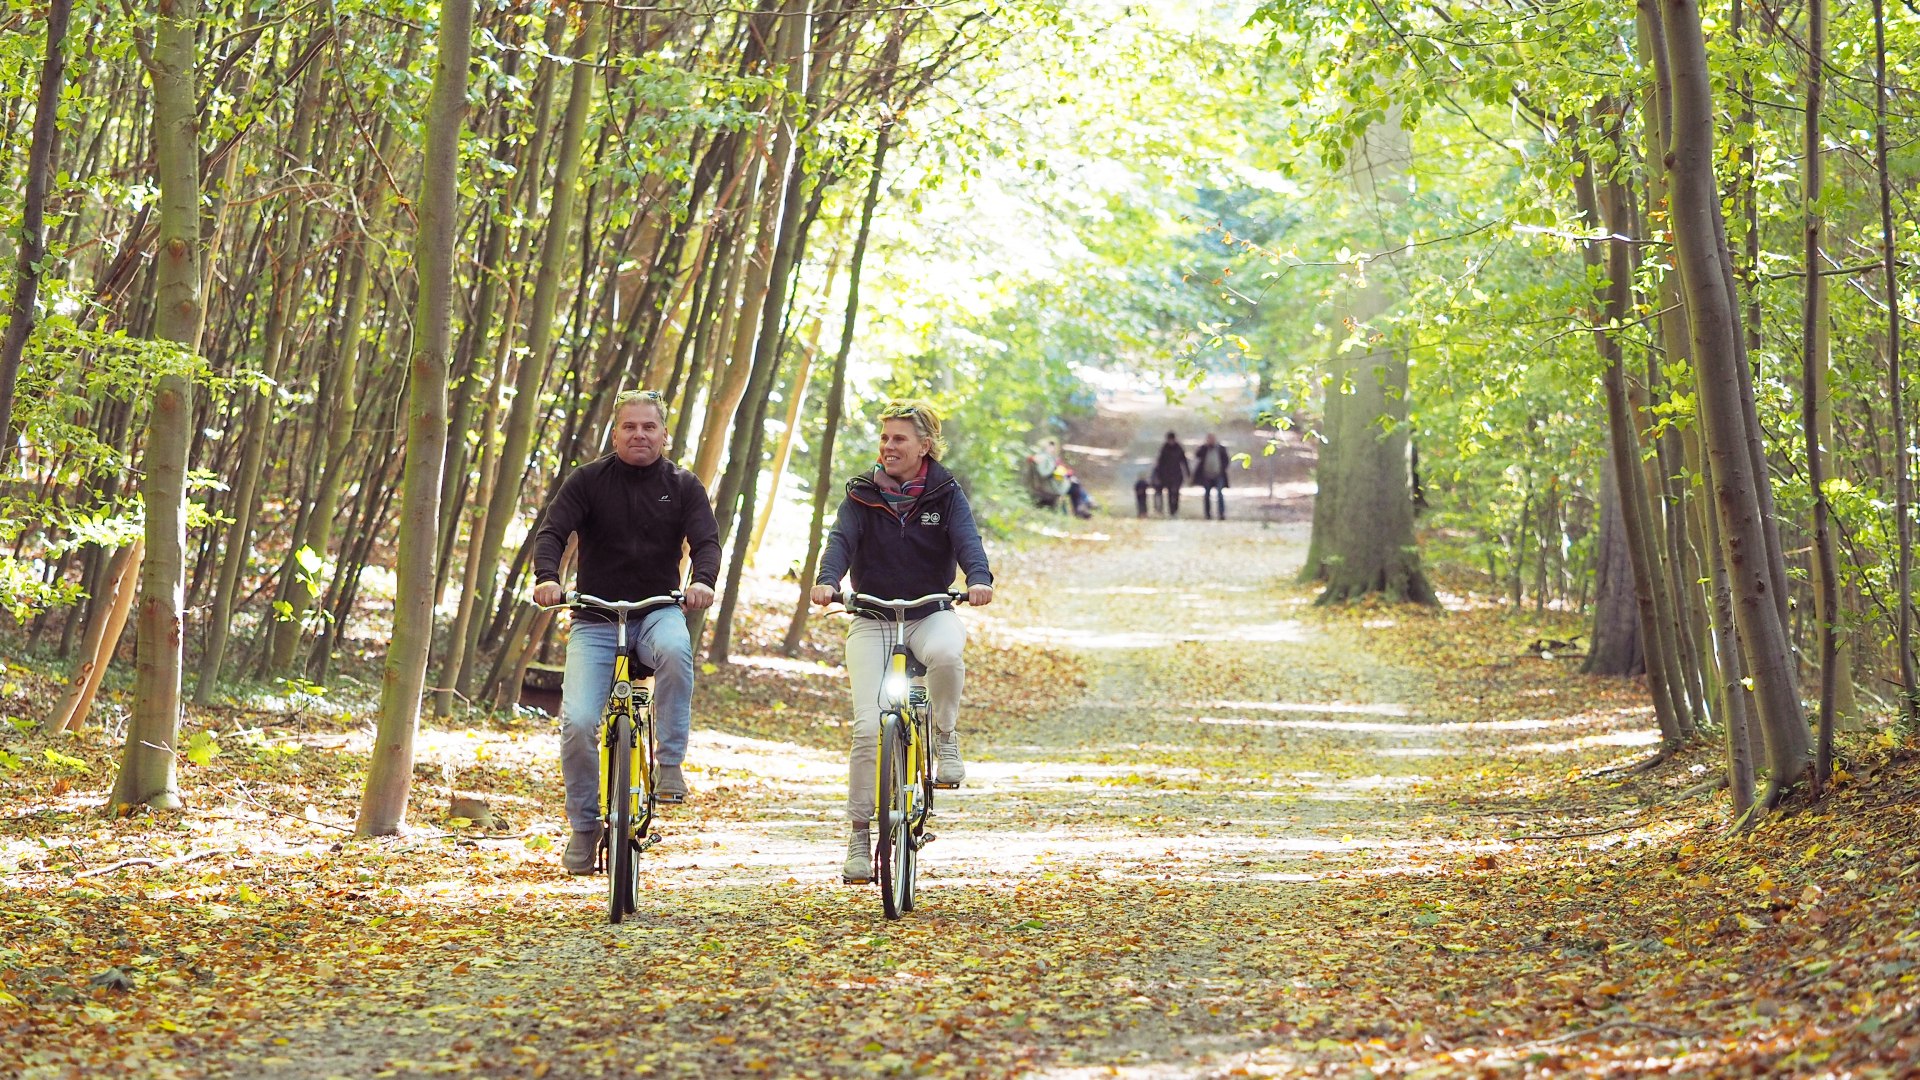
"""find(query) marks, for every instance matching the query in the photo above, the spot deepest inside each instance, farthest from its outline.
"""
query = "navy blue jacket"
(900, 559)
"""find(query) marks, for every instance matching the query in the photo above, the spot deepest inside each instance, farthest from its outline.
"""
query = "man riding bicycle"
(900, 532)
(635, 513)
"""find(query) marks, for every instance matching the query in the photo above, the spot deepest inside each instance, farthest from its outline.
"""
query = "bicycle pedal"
(925, 839)
(845, 880)
(938, 786)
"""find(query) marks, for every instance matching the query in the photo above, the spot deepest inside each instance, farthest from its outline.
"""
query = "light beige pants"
(938, 641)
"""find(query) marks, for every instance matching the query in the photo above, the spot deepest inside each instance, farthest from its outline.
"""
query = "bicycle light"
(895, 686)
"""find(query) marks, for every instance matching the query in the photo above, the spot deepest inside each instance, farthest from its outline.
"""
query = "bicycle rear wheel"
(621, 865)
(893, 853)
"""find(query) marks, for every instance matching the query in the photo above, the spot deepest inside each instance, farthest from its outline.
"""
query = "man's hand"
(822, 595)
(549, 593)
(979, 595)
(699, 597)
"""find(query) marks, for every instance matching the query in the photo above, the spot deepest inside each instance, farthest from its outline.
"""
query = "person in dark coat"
(636, 514)
(1210, 472)
(903, 531)
(1170, 473)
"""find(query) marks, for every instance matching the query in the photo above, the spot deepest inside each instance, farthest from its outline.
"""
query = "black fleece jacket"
(898, 559)
(633, 521)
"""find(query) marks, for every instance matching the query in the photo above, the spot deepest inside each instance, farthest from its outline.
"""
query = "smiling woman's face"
(902, 449)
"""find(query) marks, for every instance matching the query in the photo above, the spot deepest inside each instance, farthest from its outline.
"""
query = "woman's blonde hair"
(926, 421)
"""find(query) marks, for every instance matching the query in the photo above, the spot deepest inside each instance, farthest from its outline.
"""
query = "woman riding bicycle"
(902, 529)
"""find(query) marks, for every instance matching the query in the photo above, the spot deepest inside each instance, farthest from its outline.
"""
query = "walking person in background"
(1210, 472)
(1170, 473)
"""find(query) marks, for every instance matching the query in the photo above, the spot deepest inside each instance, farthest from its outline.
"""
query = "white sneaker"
(859, 867)
(946, 751)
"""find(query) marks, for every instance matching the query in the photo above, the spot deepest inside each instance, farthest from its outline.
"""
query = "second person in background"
(901, 531)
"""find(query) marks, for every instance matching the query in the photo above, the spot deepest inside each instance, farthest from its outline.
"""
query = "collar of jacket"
(661, 467)
(865, 491)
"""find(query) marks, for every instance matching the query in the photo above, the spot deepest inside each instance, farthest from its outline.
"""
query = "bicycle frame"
(626, 728)
(902, 807)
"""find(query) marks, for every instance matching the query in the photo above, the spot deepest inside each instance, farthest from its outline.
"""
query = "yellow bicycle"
(627, 799)
(904, 792)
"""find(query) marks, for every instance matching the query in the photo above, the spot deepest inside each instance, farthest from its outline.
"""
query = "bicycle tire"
(895, 828)
(620, 856)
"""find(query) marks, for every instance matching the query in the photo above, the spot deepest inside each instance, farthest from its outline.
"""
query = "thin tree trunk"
(1896, 389)
(837, 389)
(147, 768)
(103, 635)
(41, 162)
(1813, 357)
(743, 470)
(1613, 304)
(505, 497)
(1725, 403)
(383, 805)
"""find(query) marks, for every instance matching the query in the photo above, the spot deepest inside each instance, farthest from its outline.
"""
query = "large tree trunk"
(1724, 408)
(383, 805)
(147, 770)
(1362, 540)
(41, 159)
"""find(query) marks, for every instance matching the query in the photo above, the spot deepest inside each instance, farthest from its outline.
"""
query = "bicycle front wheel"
(894, 854)
(621, 864)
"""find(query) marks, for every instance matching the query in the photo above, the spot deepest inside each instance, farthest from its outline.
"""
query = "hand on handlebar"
(698, 597)
(549, 593)
(824, 595)
(979, 595)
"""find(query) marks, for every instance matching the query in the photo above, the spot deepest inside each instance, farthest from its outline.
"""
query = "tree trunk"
(41, 162)
(147, 768)
(1896, 389)
(383, 805)
(1813, 357)
(1616, 647)
(1362, 540)
(103, 637)
(1724, 405)
(743, 471)
(505, 498)
(796, 408)
(837, 389)
(1612, 309)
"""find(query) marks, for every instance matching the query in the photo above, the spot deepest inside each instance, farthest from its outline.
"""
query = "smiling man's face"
(640, 434)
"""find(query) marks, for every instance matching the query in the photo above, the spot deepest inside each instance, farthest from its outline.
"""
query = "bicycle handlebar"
(951, 596)
(580, 599)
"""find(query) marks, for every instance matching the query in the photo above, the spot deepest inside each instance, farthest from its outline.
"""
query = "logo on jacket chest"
(930, 517)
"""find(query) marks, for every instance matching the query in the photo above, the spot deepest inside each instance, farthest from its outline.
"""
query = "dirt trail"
(1116, 886)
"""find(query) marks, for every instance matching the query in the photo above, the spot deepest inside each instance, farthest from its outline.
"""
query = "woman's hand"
(822, 595)
(979, 595)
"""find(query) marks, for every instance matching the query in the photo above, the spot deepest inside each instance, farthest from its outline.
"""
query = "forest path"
(1207, 827)
(1164, 875)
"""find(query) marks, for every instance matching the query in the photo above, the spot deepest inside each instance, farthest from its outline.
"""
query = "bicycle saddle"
(915, 669)
(638, 669)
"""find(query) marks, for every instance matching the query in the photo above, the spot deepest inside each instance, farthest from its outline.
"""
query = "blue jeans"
(660, 638)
